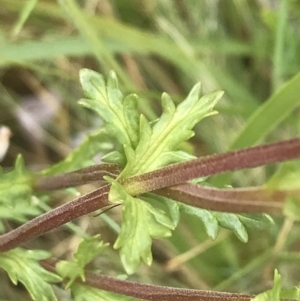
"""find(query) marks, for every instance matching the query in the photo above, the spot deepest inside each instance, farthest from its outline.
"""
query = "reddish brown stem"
(212, 165)
(50, 220)
(151, 292)
(238, 200)
(157, 292)
(76, 178)
(168, 176)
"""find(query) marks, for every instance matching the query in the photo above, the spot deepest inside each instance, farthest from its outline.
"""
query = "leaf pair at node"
(143, 146)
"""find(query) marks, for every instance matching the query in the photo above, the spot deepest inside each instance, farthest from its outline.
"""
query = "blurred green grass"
(249, 49)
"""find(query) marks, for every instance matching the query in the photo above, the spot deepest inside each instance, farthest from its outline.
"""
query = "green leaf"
(115, 157)
(293, 293)
(82, 156)
(170, 207)
(257, 221)
(234, 222)
(119, 114)
(158, 142)
(16, 185)
(146, 145)
(19, 212)
(272, 294)
(88, 249)
(16, 194)
(87, 293)
(277, 293)
(141, 222)
(209, 220)
(22, 265)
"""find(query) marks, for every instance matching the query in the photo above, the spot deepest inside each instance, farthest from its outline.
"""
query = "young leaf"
(234, 222)
(119, 114)
(146, 146)
(87, 250)
(87, 293)
(141, 222)
(22, 265)
(158, 143)
(293, 293)
(272, 294)
(277, 293)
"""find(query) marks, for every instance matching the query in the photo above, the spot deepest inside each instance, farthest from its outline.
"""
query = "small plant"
(147, 172)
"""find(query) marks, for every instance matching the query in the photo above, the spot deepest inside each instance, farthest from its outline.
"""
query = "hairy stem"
(59, 216)
(212, 165)
(234, 200)
(149, 292)
(162, 178)
(76, 178)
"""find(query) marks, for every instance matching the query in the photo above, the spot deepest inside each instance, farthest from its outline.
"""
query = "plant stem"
(212, 165)
(150, 292)
(76, 178)
(168, 176)
(50, 220)
(238, 200)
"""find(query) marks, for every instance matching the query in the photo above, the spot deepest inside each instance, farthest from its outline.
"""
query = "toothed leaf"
(169, 131)
(88, 249)
(145, 146)
(209, 220)
(104, 97)
(141, 222)
(167, 205)
(234, 222)
(276, 293)
(22, 266)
